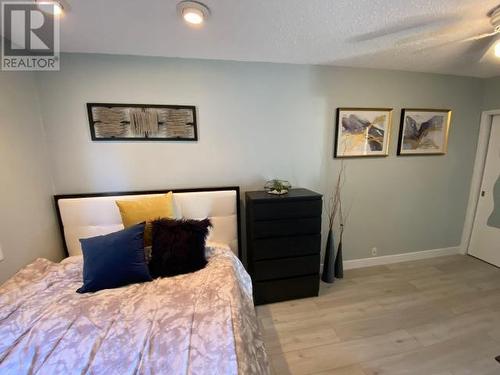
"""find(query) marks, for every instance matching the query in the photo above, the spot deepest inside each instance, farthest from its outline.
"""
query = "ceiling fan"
(423, 43)
(494, 16)
(438, 32)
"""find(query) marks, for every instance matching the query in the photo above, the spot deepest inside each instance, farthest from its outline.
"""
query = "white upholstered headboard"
(88, 215)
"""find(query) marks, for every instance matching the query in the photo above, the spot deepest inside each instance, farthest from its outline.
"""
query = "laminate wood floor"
(437, 316)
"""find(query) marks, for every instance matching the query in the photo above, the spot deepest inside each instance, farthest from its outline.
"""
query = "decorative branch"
(335, 201)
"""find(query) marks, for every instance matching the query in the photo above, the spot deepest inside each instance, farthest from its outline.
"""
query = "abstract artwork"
(363, 132)
(424, 131)
(131, 122)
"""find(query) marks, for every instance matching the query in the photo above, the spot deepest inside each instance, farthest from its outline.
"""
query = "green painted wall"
(28, 227)
(491, 98)
(258, 121)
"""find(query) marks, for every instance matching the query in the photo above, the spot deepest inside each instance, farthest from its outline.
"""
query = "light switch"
(1, 253)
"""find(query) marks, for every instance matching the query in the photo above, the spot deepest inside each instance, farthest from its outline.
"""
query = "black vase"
(339, 263)
(328, 275)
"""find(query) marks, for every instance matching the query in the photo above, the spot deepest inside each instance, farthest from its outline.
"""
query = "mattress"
(199, 323)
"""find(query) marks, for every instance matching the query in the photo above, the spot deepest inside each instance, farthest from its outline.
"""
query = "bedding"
(198, 323)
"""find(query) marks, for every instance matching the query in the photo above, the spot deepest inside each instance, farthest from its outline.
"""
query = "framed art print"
(142, 122)
(362, 132)
(424, 131)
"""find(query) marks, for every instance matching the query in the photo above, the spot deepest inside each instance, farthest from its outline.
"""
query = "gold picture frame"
(362, 132)
(424, 131)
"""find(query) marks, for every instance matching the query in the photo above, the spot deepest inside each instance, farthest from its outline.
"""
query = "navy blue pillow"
(114, 260)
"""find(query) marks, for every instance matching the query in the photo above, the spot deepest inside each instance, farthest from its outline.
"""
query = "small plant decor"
(277, 187)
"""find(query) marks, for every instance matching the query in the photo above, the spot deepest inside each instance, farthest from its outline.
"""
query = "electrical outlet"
(1, 253)
(374, 251)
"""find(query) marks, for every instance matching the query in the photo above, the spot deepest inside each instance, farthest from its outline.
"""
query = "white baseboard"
(389, 259)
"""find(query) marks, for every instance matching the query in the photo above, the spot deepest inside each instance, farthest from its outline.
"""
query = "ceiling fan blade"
(475, 46)
(405, 25)
(426, 38)
(481, 36)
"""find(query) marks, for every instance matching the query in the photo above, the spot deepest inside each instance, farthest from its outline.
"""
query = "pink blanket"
(200, 323)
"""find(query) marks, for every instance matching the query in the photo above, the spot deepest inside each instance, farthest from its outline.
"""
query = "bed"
(198, 323)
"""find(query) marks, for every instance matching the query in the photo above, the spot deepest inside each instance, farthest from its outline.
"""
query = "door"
(485, 240)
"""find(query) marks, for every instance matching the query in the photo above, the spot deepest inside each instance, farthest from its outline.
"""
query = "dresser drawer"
(289, 227)
(280, 247)
(286, 209)
(285, 267)
(285, 289)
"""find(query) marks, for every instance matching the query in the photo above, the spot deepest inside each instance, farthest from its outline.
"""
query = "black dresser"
(283, 244)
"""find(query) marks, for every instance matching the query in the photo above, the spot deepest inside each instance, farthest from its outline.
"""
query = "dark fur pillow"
(178, 246)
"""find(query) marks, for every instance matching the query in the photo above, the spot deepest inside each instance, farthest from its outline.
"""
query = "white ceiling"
(362, 33)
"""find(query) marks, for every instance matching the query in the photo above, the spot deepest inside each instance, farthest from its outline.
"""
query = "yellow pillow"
(146, 209)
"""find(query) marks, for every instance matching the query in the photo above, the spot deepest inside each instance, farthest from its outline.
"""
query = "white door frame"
(477, 177)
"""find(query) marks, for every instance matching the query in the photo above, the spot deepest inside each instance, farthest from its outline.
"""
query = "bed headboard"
(88, 215)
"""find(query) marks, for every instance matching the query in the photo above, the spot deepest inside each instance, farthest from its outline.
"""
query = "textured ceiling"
(392, 34)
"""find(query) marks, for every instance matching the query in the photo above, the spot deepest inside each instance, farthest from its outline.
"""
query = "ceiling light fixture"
(56, 8)
(193, 12)
(497, 49)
